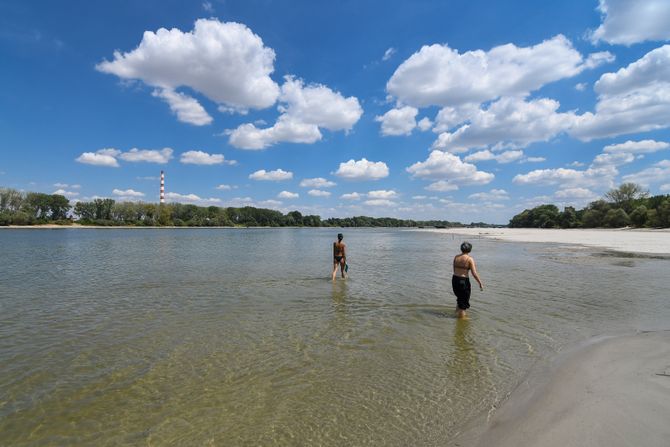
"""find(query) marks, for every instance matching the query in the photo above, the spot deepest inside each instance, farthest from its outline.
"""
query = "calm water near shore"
(238, 336)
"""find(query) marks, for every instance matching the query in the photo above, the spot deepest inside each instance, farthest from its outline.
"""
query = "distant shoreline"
(628, 240)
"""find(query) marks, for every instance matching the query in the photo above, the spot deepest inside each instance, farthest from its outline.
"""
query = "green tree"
(84, 210)
(616, 218)
(664, 213)
(639, 216)
(164, 215)
(103, 208)
(295, 218)
(652, 218)
(592, 218)
(59, 205)
(38, 205)
(11, 200)
(568, 218)
(624, 195)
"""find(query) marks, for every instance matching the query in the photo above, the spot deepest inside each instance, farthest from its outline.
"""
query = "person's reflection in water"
(473, 376)
(463, 365)
(339, 295)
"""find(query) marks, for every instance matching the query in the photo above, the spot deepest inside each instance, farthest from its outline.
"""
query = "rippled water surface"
(238, 336)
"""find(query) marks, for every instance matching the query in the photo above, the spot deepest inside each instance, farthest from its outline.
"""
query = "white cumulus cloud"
(442, 186)
(102, 157)
(317, 182)
(187, 108)
(575, 193)
(638, 147)
(190, 198)
(135, 155)
(630, 21)
(597, 177)
(492, 195)
(379, 202)
(288, 195)
(362, 170)
(438, 75)
(351, 196)
(658, 173)
(597, 59)
(248, 136)
(226, 62)
(508, 122)
(504, 157)
(424, 124)
(203, 158)
(382, 194)
(275, 176)
(319, 105)
(304, 110)
(613, 159)
(318, 193)
(450, 168)
(398, 121)
(127, 193)
(634, 99)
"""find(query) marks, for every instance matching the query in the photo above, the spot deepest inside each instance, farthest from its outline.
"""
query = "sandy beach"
(624, 240)
(614, 392)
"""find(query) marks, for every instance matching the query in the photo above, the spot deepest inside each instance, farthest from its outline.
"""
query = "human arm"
(473, 269)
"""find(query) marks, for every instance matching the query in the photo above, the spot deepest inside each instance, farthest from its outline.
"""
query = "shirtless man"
(460, 282)
(339, 255)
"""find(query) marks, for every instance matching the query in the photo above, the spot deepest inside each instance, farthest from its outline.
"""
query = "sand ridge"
(614, 392)
(624, 240)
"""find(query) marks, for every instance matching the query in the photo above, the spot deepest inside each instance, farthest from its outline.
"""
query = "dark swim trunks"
(462, 290)
(338, 259)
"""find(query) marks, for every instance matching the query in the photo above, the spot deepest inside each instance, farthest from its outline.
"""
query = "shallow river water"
(239, 337)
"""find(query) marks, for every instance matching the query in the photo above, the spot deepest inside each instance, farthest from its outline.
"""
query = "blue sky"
(465, 111)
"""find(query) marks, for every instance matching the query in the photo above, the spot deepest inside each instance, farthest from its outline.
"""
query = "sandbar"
(623, 240)
(613, 392)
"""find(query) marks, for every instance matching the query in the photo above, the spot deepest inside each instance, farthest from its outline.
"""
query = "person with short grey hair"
(460, 281)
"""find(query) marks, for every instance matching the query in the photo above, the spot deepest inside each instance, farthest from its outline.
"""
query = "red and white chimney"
(162, 187)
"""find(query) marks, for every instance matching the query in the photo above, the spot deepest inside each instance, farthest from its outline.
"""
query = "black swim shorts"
(462, 290)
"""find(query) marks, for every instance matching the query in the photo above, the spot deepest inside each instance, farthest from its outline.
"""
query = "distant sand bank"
(627, 240)
(612, 393)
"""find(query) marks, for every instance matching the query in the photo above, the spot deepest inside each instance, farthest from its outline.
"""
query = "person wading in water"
(339, 256)
(460, 282)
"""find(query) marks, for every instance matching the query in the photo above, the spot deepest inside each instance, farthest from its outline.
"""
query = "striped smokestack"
(162, 187)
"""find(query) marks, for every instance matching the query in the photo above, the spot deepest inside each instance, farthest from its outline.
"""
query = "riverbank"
(624, 240)
(613, 392)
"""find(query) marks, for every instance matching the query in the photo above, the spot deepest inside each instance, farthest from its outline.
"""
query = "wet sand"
(624, 240)
(613, 392)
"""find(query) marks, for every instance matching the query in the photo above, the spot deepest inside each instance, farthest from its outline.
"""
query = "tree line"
(18, 208)
(627, 205)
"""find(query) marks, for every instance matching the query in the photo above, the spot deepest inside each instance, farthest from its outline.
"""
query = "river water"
(239, 337)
